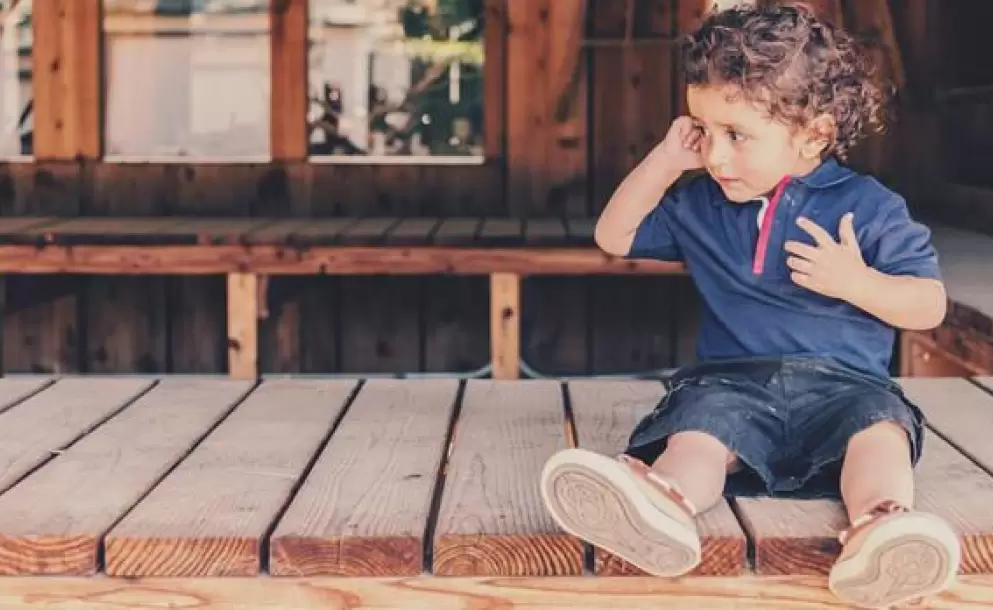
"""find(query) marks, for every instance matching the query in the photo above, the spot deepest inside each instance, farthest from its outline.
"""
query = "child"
(805, 269)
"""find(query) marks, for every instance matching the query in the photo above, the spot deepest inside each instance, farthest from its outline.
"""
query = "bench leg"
(243, 325)
(505, 325)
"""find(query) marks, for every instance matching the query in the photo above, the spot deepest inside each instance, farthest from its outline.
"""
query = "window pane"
(396, 77)
(187, 77)
(16, 102)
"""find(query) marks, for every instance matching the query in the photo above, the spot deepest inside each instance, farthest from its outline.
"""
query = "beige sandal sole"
(595, 498)
(908, 557)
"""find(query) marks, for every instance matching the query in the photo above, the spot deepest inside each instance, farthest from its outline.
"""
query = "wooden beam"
(336, 593)
(288, 98)
(332, 260)
(505, 325)
(66, 79)
(243, 325)
(495, 80)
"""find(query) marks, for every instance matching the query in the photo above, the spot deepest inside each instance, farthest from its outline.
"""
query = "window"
(187, 78)
(16, 100)
(395, 78)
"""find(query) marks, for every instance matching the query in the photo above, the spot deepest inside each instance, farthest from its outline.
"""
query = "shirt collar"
(828, 173)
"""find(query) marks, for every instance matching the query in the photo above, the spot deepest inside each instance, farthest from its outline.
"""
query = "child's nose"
(717, 153)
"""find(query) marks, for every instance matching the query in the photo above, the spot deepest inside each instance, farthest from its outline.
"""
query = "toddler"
(806, 269)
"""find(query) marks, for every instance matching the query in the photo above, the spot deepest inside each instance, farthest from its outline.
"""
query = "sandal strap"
(665, 487)
(886, 507)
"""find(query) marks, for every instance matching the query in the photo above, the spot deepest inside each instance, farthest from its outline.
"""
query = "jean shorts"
(788, 420)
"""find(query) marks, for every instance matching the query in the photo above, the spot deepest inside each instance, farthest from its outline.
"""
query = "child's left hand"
(831, 268)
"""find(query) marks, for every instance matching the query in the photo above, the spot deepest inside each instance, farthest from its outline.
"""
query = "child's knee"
(705, 446)
(883, 433)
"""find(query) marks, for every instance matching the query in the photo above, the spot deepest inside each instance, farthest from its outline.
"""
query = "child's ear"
(818, 136)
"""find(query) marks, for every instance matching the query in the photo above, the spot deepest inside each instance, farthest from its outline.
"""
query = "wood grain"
(47, 423)
(491, 521)
(793, 537)
(288, 65)
(243, 325)
(15, 389)
(364, 508)
(605, 413)
(210, 515)
(52, 523)
(333, 593)
(505, 325)
(351, 260)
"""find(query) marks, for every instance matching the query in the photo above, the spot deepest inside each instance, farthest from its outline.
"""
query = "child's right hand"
(681, 146)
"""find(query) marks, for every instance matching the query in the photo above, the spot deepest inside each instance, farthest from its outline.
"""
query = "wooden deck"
(317, 493)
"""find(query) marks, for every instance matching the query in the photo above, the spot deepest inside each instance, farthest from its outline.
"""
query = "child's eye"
(735, 136)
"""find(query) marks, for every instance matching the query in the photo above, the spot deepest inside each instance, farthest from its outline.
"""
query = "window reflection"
(396, 77)
(16, 98)
(187, 78)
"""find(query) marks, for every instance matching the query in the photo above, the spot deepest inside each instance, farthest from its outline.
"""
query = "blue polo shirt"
(748, 314)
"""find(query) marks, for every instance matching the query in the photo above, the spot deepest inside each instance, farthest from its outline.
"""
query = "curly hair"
(794, 65)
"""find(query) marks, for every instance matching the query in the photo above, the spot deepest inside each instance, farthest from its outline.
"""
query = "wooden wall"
(570, 109)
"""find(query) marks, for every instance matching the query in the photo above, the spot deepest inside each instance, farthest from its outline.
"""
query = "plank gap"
(55, 451)
(265, 543)
(979, 384)
(439, 482)
(749, 540)
(28, 394)
(102, 544)
(589, 565)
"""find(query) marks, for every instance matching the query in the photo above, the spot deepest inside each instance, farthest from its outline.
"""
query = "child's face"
(745, 150)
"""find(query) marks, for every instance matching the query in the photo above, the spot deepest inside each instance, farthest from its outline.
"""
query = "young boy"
(805, 269)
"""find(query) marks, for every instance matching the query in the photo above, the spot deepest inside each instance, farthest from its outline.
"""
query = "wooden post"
(66, 79)
(288, 123)
(505, 325)
(243, 325)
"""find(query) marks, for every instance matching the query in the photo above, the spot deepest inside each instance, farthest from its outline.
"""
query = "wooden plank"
(457, 231)
(107, 231)
(66, 80)
(544, 231)
(456, 323)
(604, 414)
(243, 325)
(52, 523)
(958, 410)
(580, 230)
(320, 231)
(23, 230)
(412, 232)
(209, 231)
(800, 537)
(383, 331)
(288, 65)
(491, 521)
(367, 231)
(505, 325)
(15, 389)
(985, 381)
(579, 592)
(210, 515)
(501, 232)
(376, 525)
(45, 424)
(340, 260)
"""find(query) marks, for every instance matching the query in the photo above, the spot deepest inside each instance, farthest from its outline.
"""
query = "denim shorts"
(788, 420)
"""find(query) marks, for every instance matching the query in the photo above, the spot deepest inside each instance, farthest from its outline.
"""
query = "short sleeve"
(901, 246)
(655, 237)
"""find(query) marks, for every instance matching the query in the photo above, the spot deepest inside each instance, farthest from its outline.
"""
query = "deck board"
(14, 390)
(968, 424)
(210, 515)
(364, 508)
(52, 523)
(48, 422)
(492, 521)
(605, 413)
(800, 537)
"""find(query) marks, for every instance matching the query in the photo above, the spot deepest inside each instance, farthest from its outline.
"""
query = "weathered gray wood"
(209, 516)
(53, 522)
(364, 507)
(15, 389)
(491, 520)
(45, 424)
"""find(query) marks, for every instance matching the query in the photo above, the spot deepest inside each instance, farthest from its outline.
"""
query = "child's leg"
(891, 553)
(877, 468)
(697, 463)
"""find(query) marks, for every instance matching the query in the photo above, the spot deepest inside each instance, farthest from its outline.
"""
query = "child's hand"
(681, 146)
(832, 269)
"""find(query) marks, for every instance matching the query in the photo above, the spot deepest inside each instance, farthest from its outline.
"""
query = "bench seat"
(396, 493)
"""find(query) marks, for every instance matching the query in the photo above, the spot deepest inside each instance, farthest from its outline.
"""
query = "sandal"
(893, 555)
(623, 507)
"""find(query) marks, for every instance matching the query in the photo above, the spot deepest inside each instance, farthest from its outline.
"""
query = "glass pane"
(396, 77)
(16, 101)
(187, 78)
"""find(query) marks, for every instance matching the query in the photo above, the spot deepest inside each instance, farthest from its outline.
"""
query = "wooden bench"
(249, 250)
(310, 493)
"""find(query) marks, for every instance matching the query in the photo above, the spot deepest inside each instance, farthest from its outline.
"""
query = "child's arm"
(837, 269)
(642, 189)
